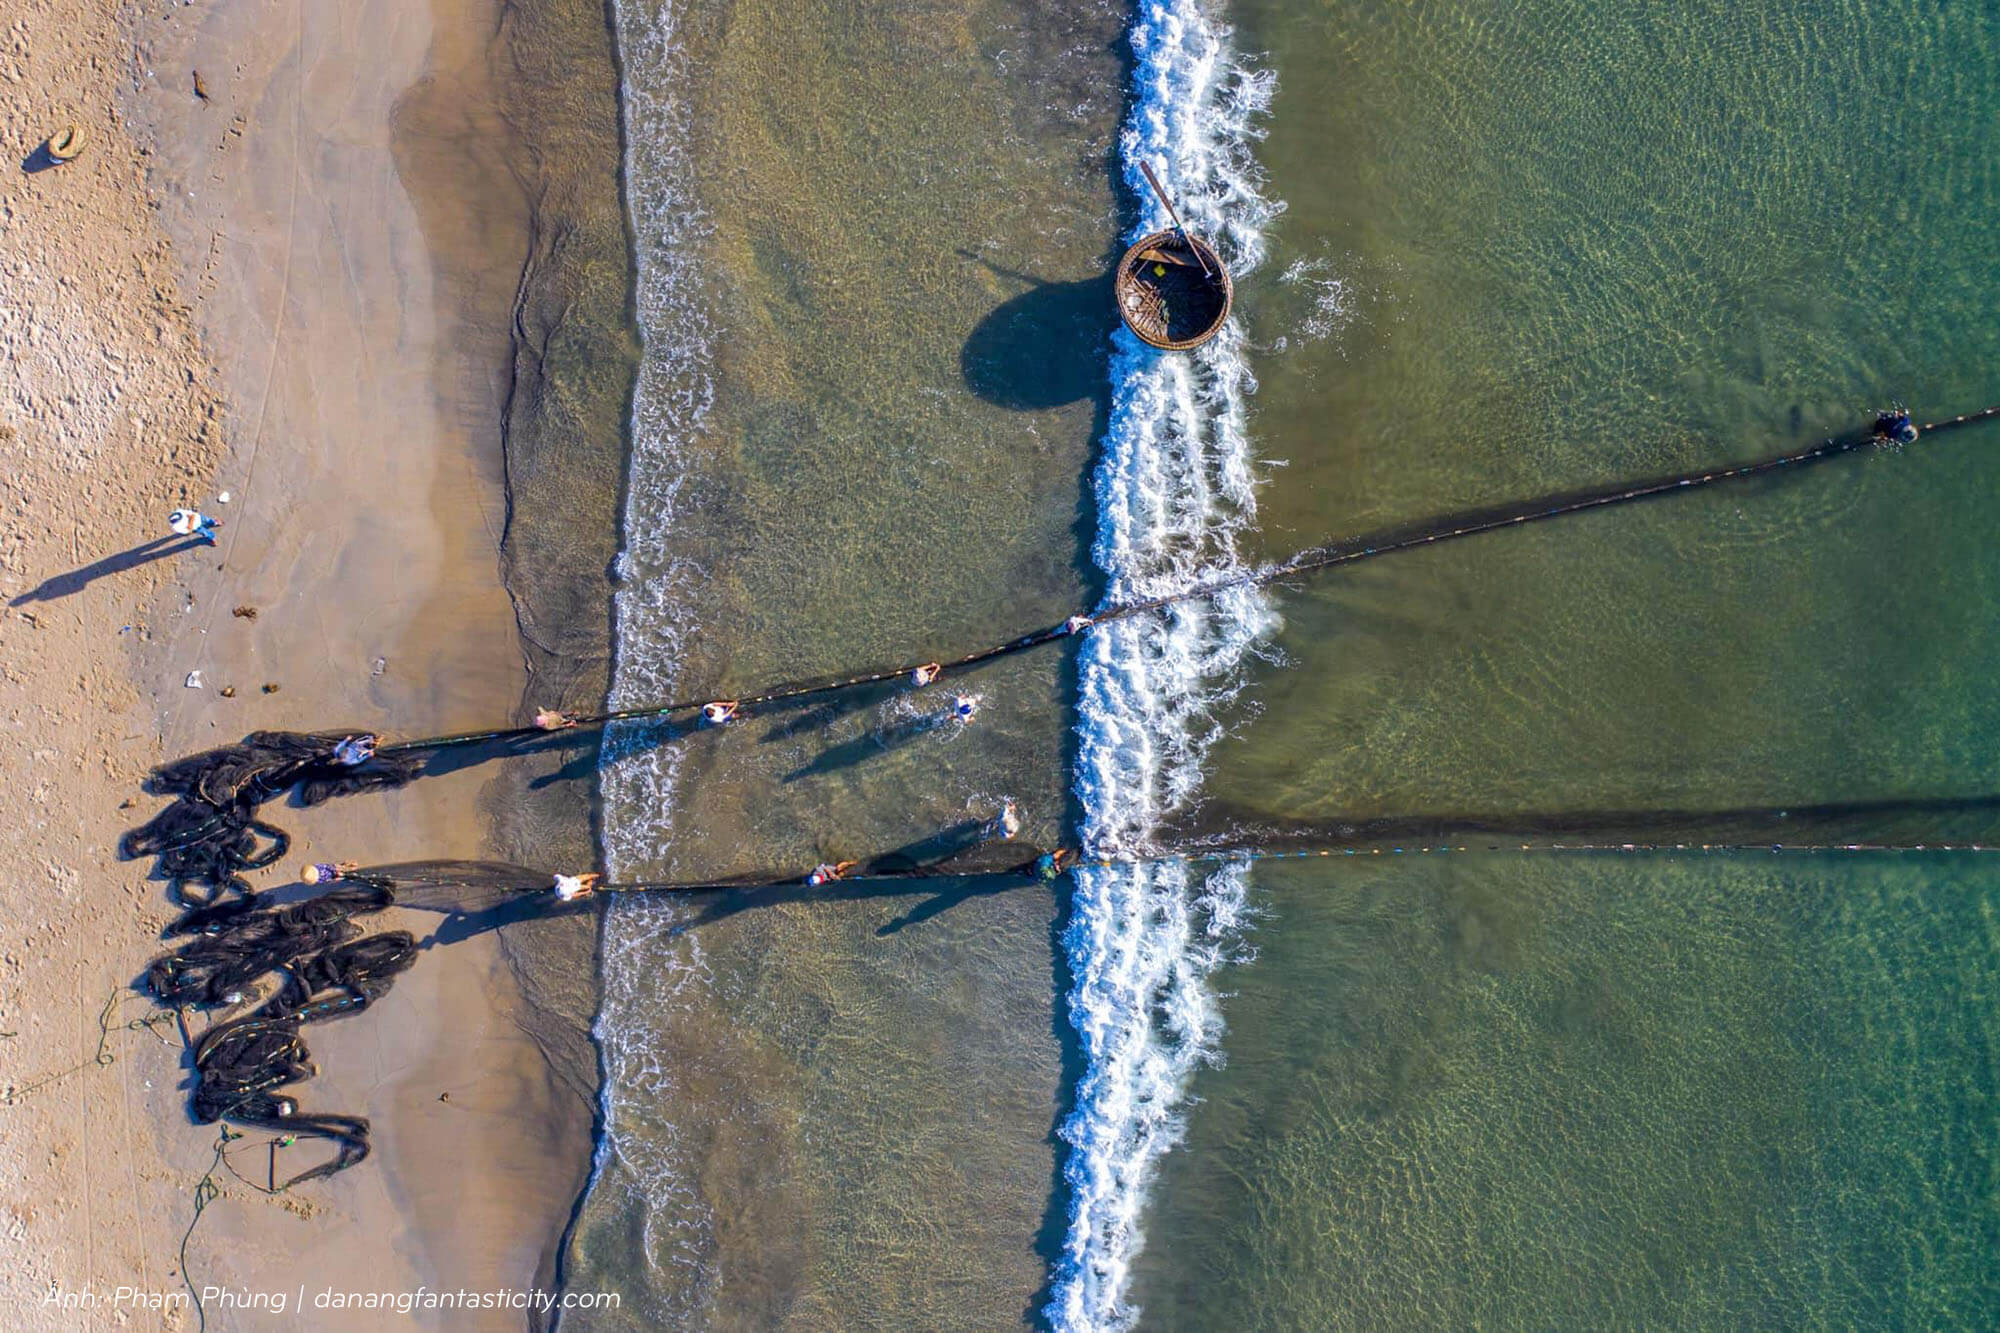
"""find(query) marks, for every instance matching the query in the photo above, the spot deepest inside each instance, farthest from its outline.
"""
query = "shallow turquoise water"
(1549, 245)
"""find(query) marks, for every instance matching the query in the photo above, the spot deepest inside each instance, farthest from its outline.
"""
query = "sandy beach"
(233, 292)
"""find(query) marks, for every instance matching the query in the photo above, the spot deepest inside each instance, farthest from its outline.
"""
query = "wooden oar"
(1154, 181)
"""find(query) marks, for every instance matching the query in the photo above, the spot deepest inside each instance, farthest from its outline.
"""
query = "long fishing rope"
(1052, 865)
(1352, 551)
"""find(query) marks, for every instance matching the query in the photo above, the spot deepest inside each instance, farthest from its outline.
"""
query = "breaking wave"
(1175, 489)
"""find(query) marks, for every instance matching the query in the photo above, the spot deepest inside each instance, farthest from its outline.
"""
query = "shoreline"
(356, 350)
(481, 1183)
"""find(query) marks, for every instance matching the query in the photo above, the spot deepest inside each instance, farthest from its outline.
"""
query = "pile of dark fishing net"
(326, 968)
(211, 834)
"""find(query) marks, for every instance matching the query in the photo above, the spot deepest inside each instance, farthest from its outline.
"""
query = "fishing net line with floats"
(211, 834)
(327, 967)
(1893, 429)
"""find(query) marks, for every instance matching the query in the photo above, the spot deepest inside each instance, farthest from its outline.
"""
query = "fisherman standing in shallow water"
(1005, 824)
(1895, 427)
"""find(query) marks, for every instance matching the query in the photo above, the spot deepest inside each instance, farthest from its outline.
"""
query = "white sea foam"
(1175, 489)
(648, 968)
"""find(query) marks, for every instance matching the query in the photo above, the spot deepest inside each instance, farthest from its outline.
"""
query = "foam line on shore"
(1174, 488)
(649, 970)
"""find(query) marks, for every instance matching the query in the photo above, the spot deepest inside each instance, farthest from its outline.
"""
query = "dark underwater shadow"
(939, 894)
(1043, 348)
(875, 741)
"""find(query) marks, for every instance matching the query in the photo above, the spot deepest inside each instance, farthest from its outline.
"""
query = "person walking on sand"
(192, 523)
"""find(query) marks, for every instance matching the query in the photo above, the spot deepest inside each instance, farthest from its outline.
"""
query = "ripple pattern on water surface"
(1174, 489)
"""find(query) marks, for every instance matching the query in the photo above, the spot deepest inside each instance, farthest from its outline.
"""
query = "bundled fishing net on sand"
(325, 967)
(211, 834)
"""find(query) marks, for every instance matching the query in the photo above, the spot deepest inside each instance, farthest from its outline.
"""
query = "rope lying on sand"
(1370, 546)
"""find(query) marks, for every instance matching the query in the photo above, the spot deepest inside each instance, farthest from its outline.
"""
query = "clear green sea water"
(1548, 245)
(1527, 247)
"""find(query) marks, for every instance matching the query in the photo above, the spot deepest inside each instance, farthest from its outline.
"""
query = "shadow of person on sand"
(76, 580)
(40, 160)
(1043, 348)
(464, 925)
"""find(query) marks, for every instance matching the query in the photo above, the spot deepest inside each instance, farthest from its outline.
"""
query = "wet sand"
(353, 341)
(373, 395)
